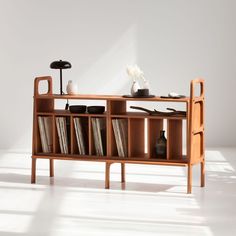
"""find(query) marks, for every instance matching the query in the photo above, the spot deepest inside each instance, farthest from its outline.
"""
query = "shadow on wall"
(106, 75)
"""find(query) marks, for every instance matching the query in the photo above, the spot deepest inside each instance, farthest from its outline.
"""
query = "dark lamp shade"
(60, 65)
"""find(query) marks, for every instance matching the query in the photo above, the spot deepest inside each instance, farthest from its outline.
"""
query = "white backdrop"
(173, 41)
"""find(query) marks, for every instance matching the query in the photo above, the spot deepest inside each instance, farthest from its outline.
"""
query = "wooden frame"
(116, 108)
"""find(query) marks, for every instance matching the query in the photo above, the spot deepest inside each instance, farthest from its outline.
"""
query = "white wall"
(172, 41)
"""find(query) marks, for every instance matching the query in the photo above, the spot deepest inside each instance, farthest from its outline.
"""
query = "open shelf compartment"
(44, 140)
(174, 140)
(62, 135)
(154, 128)
(79, 135)
(119, 137)
(98, 136)
(136, 138)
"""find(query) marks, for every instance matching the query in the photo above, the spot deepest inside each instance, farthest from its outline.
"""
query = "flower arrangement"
(136, 74)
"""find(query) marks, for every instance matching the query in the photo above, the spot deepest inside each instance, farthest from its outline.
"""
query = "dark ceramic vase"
(161, 146)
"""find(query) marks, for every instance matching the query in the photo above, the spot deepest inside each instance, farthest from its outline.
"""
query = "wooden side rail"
(47, 105)
(196, 131)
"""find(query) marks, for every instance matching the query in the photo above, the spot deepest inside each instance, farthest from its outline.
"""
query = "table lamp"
(60, 65)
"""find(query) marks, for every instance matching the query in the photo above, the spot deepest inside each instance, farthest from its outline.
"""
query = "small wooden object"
(138, 124)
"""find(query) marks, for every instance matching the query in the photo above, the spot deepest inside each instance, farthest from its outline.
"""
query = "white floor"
(153, 202)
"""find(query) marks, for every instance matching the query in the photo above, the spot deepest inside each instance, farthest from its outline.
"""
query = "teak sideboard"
(140, 151)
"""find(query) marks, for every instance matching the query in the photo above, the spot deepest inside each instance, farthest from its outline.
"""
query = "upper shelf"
(109, 97)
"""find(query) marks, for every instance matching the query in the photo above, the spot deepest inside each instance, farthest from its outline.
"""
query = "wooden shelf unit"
(142, 132)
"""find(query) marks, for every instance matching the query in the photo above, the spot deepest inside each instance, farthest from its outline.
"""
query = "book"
(62, 134)
(48, 131)
(120, 130)
(58, 125)
(117, 137)
(42, 134)
(99, 135)
(45, 131)
(79, 136)
(123, 123)
(95, 136)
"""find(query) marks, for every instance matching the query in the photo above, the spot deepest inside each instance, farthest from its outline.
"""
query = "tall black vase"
(161, 146)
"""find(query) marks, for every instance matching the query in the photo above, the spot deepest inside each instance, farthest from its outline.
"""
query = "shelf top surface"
(109, 97)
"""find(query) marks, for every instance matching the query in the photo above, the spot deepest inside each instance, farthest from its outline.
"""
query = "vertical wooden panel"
(73, 143)
(35, 129)
(129, 139)
(54, 134)
(91, 142)
(136, 132)
(174, 139)
(86, 134)
(45, 105)
(38, 139)
(109, 130)
(188, 133)
(154, 128)
(117, 107)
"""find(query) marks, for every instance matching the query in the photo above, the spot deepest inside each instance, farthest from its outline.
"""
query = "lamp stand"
(61, 81)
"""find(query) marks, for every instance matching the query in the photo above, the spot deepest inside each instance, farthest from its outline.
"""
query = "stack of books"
(63, 134)
(80, 136)
(99, 135)
(45, 131)
(120, 129)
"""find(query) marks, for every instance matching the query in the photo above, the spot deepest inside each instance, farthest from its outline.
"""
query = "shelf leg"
(107, 175)
(189, 188)
(51, 164)
(33, 171)
(122, 172)
(203, 173)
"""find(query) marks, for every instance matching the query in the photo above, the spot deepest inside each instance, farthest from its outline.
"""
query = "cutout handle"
(37, 82)
(192, 88)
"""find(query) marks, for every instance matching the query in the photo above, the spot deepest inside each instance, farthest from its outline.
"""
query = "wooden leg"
(51, 163)
(189, 188)
(203, 173)
(33, 171)
(107, 175)
(122, 172)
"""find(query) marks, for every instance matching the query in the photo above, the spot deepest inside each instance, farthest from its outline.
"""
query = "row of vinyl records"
(99, 135)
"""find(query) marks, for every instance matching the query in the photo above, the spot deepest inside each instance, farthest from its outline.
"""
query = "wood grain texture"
(174, 139)
(117, 108)
(136, 139)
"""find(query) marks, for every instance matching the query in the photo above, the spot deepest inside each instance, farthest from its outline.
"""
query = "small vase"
(161, 145)
(146, 84)
(71, 88)
(134, 88)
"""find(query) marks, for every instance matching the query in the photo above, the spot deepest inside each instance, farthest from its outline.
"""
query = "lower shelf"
(134, 160)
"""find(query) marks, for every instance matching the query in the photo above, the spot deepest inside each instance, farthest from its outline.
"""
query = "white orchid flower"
(131, 73)
(135, 73)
